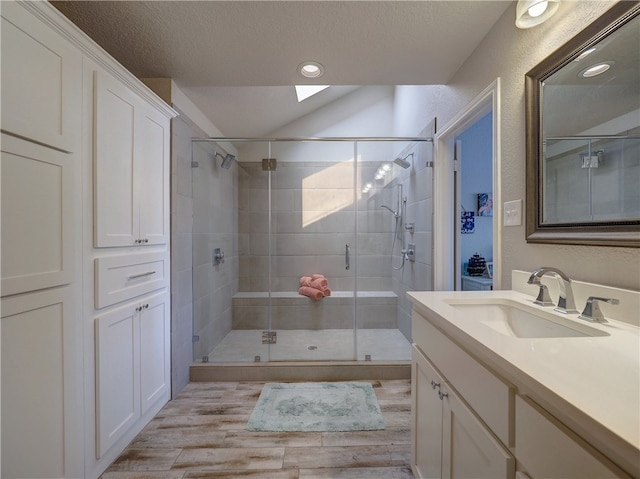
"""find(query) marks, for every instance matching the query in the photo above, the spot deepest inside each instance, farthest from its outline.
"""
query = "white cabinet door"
(470, 451)
(131, 177)
(154, 350)
(152, 175)
(449, 441)
(116, 211)
(426, 446)
(132, 365)
(38, 221)
(41, 81)
(42, 428)
(547, 449)
(117, 375)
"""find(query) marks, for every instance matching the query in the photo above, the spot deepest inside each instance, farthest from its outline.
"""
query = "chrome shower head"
(394, 213)
(403, 161)
(226, 160)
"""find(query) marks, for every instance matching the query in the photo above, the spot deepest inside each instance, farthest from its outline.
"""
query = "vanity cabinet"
(132, 365)
(547, 449)
(469, 421)
(131, 180)
(449, 440)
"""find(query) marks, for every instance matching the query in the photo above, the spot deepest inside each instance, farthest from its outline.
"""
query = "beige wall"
(509, 53)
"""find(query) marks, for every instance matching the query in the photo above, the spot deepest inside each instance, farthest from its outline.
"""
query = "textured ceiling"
(208, 47)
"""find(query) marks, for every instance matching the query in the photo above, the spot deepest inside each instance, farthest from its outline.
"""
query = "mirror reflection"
(591, 133)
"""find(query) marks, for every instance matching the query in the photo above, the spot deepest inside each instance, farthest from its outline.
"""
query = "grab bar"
(347, 250)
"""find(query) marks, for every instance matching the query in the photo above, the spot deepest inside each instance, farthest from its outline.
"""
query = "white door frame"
(444, 214)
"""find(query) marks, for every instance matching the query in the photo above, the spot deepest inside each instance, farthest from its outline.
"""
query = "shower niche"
(318, 208)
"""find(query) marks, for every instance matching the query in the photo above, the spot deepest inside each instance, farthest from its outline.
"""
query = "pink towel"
(315, 281)
(310, 292)
(326, 292)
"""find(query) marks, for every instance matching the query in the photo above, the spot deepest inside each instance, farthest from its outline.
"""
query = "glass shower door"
(312, 251)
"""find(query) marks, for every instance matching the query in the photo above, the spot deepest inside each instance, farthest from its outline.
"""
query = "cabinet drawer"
(547, 449)
(119, 278)
(489, 396)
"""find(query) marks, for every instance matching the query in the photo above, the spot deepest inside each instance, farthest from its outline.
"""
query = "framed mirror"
(583, 136)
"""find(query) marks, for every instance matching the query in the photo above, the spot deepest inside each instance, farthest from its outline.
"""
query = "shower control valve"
(410, 252)
(218, 256)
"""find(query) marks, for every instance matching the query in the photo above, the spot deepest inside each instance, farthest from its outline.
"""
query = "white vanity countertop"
(592, 384)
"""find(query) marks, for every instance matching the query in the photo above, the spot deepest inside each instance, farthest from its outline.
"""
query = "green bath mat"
(343, 406)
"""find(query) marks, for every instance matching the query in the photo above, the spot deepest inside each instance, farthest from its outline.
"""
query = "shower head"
(394, 213)
(403, 161)
(226, 160)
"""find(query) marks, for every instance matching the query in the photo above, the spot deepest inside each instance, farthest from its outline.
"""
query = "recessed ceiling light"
(311, 69)
(584, 54)
(595, 70)
(530, 13)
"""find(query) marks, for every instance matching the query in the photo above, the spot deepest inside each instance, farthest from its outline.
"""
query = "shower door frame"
(354, 141)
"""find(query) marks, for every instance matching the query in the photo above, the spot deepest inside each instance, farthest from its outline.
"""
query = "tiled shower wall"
(203, 216)
(302, 247)
(312, 221)
(182, 130)
(215, 225)
(417, 184)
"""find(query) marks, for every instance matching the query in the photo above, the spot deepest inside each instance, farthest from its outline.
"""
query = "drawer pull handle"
(141, 275)
(442, 395)
(434, 385)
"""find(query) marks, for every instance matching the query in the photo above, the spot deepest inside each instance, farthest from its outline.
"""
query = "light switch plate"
(512, 213)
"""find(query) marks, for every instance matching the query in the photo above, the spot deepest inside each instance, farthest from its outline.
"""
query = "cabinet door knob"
(146, 240)
(442, 395)
(434, 385)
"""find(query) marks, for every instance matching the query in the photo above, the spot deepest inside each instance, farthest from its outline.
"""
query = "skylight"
(305, 91)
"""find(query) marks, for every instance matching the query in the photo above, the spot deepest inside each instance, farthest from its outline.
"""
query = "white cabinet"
(39, 224)
(41, 81)
(132, 366)
(131, 169)
(547, 449)
(42, 434)
(482, 427)
(155, 354)
(449, 441)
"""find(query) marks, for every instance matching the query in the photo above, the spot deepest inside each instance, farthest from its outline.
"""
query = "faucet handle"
(543, 299)
(592, 310)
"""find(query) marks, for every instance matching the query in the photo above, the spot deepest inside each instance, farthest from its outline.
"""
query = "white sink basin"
(511, 318)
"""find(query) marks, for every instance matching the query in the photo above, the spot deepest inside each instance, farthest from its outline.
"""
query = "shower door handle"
(347, 251)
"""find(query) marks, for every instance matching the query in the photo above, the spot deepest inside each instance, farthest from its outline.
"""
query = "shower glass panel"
(384, 267)
(349, 210)
(312, 233)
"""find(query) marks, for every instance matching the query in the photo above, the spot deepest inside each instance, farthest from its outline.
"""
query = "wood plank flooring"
(201, 435)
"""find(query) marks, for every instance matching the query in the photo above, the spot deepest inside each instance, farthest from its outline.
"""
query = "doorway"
(473, 261)
(447, 206)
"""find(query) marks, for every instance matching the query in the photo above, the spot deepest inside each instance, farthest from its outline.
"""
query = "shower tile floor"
(313, 345)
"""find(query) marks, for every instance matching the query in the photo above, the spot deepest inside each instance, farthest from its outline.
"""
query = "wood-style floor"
(201, 435)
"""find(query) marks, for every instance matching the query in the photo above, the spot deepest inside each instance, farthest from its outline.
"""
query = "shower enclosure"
(356, 211)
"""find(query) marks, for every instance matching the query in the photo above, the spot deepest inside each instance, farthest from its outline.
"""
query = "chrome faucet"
(592, 310)
(566, 303)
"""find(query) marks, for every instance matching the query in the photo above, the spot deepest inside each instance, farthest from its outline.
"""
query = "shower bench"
(376, 310)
